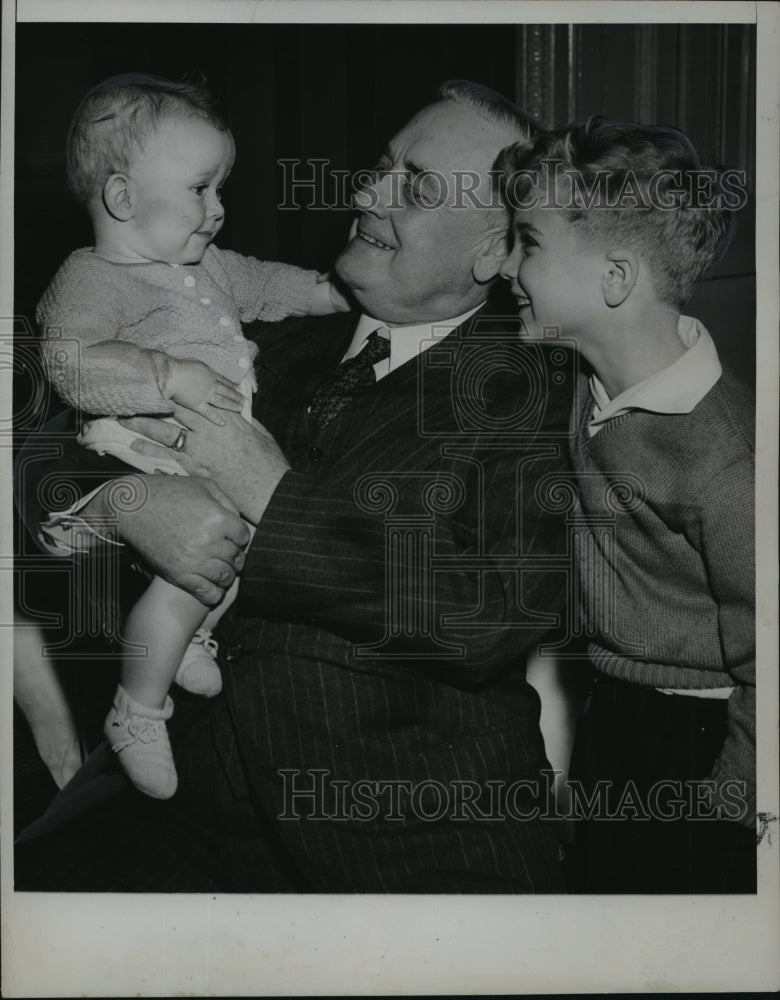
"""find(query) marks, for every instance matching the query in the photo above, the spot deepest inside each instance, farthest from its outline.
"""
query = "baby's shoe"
(198, 672)
(138, 736)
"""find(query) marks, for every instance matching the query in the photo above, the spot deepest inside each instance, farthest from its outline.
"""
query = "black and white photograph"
(445, 405)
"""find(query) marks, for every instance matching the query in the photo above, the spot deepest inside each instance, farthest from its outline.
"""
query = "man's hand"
(196, 386)
(242, 458)
(186, 530)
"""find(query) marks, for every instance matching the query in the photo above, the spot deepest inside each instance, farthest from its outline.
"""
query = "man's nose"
(378, 194)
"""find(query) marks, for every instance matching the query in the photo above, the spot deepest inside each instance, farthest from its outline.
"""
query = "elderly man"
(376, 731)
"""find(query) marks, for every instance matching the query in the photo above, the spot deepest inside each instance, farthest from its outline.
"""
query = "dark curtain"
(337, 92)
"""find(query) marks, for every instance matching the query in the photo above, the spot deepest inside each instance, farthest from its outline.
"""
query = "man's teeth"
(372, 241)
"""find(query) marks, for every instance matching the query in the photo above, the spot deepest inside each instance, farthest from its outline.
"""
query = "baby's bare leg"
(158, 631)
(162, 622)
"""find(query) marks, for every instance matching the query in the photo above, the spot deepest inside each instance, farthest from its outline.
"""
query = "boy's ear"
(492, 250)
(619, 276)
(117, 199)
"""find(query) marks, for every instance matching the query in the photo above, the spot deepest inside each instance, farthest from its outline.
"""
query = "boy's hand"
(327, 298)
(198, 387)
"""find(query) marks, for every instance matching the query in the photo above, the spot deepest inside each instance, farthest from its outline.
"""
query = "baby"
(613, 225)
(148, 317)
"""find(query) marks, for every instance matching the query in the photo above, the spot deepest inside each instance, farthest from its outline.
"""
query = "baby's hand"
(327, 298)
(197, 387)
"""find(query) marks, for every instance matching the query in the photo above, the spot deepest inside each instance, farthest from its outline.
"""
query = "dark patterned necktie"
(345, 382)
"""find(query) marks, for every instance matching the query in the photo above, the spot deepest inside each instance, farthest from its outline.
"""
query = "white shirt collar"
(675, 389)
(406, 342)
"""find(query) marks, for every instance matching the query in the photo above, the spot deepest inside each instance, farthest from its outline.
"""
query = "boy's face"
(175, 184)
(555, 275)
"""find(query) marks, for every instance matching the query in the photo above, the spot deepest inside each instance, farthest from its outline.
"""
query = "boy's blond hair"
(640, 185)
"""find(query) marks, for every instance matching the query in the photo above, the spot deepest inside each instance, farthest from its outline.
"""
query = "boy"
(613, 224)
(148, 317)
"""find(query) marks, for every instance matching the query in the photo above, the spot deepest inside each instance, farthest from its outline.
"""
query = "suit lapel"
(297, 349)
(293, 358)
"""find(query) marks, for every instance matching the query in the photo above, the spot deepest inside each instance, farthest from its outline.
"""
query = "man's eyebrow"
(408, 165)
(415, 168)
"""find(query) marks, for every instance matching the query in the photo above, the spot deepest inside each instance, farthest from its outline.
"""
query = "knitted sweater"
(191, 311)
(667, 573)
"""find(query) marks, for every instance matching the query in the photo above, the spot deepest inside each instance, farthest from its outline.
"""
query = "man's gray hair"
(496, 108)
(492, 105)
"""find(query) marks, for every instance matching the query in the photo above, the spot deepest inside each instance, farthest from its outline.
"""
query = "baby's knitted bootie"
(198, 672)
(138, 736)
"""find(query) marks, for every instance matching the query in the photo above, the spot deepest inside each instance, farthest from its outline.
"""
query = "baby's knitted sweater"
(189, 311)
(667, 570)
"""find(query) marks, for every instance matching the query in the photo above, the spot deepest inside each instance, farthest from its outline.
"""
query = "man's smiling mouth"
(372, 241)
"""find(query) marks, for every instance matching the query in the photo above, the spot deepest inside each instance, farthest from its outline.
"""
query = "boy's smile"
(554, 274)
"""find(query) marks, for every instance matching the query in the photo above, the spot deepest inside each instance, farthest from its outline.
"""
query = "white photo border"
(59, 945)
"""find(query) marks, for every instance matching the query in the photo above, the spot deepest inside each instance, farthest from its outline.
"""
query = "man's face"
(411, 258)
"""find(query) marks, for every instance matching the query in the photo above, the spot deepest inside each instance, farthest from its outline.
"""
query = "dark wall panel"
(338, 91)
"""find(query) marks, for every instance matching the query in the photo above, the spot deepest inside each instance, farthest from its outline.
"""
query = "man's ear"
(619, 277)
(492, 251)
(117, 199)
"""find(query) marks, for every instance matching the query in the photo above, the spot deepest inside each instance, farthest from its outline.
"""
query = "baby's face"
(175, 184)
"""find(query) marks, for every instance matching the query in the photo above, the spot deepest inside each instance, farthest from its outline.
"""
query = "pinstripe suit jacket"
(374, 668)
(375, 731)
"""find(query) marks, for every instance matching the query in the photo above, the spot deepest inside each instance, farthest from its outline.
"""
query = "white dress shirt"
(406, 342)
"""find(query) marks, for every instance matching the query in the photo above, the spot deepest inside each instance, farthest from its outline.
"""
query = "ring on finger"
(181, 438)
